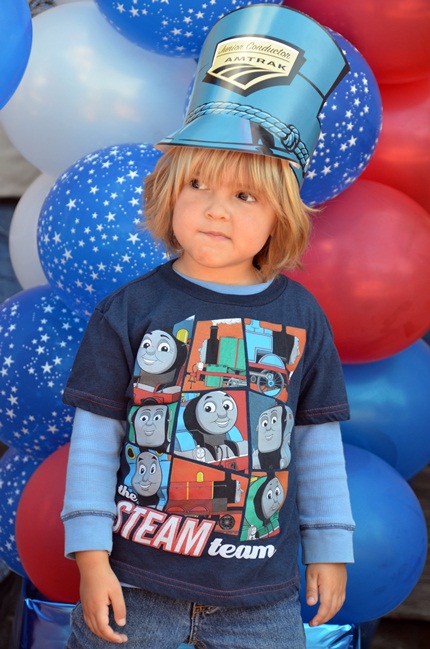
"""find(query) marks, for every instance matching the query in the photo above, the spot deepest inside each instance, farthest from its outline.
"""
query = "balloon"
(176, 28)
(392, 35)
(390, 408)
(402, 157)
(90, 240)
(24, 254)
(39, 338)
(15, 45)
(390, 540)
(87, 87)
(368, 265)
(40, 533)
(351, 123)
(16, 467)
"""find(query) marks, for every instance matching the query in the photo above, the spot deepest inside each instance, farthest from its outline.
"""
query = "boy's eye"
(246, 197)
(198, 184)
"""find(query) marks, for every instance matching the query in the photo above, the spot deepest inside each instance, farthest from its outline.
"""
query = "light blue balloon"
(175, 28)
(39, 338)
(351, 121)
(16, 468)
(15, 45)
(89, 234)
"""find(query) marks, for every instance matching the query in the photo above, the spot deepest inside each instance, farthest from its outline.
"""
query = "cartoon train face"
(159, 362)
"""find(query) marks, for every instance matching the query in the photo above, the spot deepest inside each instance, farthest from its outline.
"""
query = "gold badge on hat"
(250, 63)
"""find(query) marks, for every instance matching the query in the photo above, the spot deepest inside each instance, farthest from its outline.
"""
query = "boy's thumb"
(311, 591)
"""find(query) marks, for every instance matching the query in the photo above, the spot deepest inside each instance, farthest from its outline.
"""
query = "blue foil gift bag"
(39, 623)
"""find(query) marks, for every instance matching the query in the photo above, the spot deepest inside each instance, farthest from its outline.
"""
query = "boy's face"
(221, 227)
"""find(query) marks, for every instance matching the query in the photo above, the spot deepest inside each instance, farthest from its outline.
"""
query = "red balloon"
(369, 266)
(392, 35)
(40, 533)
(402, 156)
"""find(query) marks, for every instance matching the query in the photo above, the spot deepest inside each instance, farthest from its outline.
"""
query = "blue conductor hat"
(263, 75)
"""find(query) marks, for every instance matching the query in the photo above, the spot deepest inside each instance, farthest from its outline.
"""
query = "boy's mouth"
(215, 235)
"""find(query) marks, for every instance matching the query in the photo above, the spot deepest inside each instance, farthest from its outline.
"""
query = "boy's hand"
(326, 582)
(100, 588)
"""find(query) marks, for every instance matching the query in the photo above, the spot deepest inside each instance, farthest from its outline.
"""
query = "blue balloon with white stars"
(39, 338)
(169, 27)
(16, 468)
(89, 232)
(351, 121)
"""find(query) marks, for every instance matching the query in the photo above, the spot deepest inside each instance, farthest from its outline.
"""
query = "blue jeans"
(157, 622)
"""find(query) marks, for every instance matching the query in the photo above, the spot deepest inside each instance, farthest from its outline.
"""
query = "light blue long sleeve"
(89, 507)
(326, 522)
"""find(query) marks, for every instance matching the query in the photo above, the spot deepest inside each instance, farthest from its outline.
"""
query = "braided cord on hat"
(289, 135)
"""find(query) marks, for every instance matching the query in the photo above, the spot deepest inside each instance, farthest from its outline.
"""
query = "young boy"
(209, 391)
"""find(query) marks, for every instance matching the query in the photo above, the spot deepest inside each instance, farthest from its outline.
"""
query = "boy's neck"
(248, 277)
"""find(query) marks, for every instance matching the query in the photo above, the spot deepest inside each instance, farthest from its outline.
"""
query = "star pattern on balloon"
(16, 468)
(169, 27)
(89, 232)
(350, 126)
(39, 337)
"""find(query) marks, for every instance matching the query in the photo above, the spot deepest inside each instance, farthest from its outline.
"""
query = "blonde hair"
(270, 175)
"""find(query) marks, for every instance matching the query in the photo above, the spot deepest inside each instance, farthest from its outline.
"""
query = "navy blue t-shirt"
(210, 386)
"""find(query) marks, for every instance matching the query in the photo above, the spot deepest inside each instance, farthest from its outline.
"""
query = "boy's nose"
(217, 208)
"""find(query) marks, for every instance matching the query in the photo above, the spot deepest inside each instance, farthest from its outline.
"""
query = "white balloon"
(23, 249)
(86, 87)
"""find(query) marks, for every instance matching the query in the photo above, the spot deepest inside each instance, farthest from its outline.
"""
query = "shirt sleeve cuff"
(327, 545)
(88, 532)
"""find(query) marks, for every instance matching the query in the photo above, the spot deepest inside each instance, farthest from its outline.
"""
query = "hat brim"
(233, 133)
